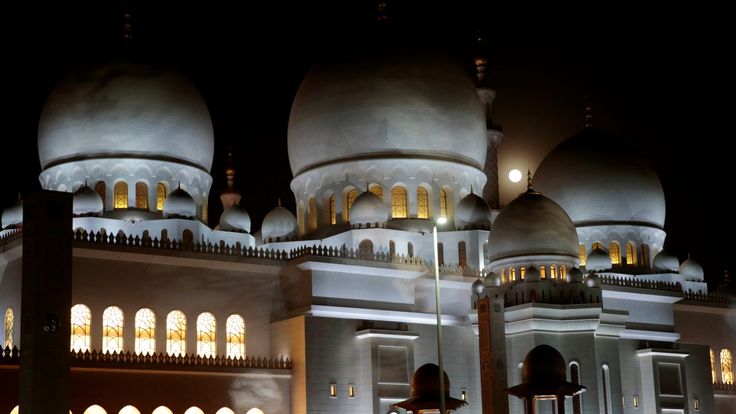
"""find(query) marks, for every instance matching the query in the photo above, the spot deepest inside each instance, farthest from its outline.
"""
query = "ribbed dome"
(179, 204)
(235, 218)
(368, 208)
(279, 224)
(472, 212)
(122, 110)
(690, 269)
(13, 215)
(598, 259)
(665, 261)
(87, 202)
(598, 181)
(386, 105)
(532, 225)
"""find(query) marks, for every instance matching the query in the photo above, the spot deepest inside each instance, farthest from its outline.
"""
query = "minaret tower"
(230, 196)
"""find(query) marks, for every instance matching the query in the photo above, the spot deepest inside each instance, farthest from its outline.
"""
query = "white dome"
(13, 216)
(532, 225)
(665, 261)
(472, 212)
(279, 224)
(690, 269)
(386, 105)
(574, 275)
(125, 110)
(597, 260)
(492, 279)
(368, 208)
(477, 287)
(235, 218)
(597, 181)
(87, 202)
(179, 204)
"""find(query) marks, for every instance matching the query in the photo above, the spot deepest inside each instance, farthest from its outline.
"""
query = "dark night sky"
(658, 77)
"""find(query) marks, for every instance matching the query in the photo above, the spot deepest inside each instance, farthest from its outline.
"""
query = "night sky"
(657, 78)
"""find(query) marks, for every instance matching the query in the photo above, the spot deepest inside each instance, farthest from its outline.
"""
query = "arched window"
(606, 388)
(129, 409)
(333, 209)
(630, 253)
(713, 366)
(614, 252)
(726, 366)
(312, 214)
(187, 238)
(645, 255)
(235, 336)
(100, 188)
(522, 272)
(503, 278)
(398, 202)
(349, 200)
(422, 203)
(575, 379)
(81, 319)
(164, 234)
(542, 272)
(513, 274)
(145, 332)
(95, 409)
(225, 410)
(462, 257)
(409, 249)
(160, 196)
(581, 254)
(162, 410)
(121, 195)
(377, 190)
(597, 245)
(553, 271)
(193, 410)
(365, 248)
(141, 195)
(391, 248)
(443, 203)
(563, 272)
(9, 325)
(176, 333)
(206, 334)
(440, 255)
(112, 330)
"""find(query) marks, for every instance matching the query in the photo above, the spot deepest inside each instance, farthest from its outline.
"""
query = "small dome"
(598, 259)
(477, 287)
(13, 216)
(279, 224)
(544, 364)
(532, 275)
(493, 279)
(665, 261)
(235, 218)
(472, 212)
(532, 225)
(574, 276)
(87, 202)
(179, 204)
(368, 208)
(592, 280)
(690, 269)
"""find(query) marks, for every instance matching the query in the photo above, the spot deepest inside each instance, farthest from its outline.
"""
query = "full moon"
(515, 175)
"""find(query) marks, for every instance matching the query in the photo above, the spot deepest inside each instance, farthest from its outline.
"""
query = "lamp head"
(441, 220)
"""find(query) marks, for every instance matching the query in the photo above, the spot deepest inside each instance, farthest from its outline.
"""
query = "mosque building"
(331, 308)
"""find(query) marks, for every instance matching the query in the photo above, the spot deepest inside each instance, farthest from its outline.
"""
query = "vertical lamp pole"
(441, 220)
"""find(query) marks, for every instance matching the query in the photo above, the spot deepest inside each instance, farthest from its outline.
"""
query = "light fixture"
(515, 175)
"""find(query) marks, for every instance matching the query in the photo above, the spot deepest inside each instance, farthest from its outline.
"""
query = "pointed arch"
(145, 332)
(422, 203)
(606, 389)
(462, 256)
(333, 209)
(398, 202)
(121, 194)
(563, 272)
(194, 410)
(443, 203)
(552, 271)
(581, 254)
(350, 197)
(206, 329)
(95, 409)
(160, 196)
(615, 253)
(176, 333)
(162, 410)
(597, 245)
(112, 330)
(141, 195)
(575, 379)
(377, 190)
(522, 272)
(129, 409)
(726, 366)
(513, 274)
(630, 253)
(101, 190)
(543, 272)
(81, 321)
(235, 327)
(9, 328)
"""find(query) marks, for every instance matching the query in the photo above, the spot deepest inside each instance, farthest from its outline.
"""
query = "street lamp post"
(441, 220)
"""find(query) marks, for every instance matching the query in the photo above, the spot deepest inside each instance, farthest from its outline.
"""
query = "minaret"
(494, 133)
(588, 112)
(230, 196)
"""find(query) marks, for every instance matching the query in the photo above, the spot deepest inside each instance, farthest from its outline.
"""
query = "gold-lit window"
(422, 203)
(333, 390)
(145, 332)
(121, 195)
(713, 366)
(462, 257)
(81, 319)
(112, 330)
(235, 336)
(645, 255)
(441, 254)
(513, 274)
(503, 275)
(696, 404)
(377, 190)
(351, 391)
(581, 254)
(205, 208)
(726, 366)
(443, 203)
(597, 245)
(553, 271)
(100, 189)
(349, 200)
(542, 272)
(522, 272)
(333, 209)
(160, 196)
(563, 272)
(398, 202)
(206, 334)
(9, 326)
(615, 253)
(176, 333)
(141, 195)
(630, 253)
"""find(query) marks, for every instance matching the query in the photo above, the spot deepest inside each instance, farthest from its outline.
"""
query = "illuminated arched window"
(542, 272)
(391, 248)
(614, 252)
(575, 379)
(553, 271)
(312, 214)
(206, 334)
(162, 410)
(121, 194)
(141, 195)
(581, 254)
(9, 325)
(333, 209)
(176, 333)
(398, 202)
(563, 272)
(349, 200)
(15, 410)
(462, 257)
(160, 196)
(713, 366)
(112, 330)
(522, 272)
(645, 255)
(513, 275)
(145, 332)
(95, 409)
(193, 410)
(443, 203)
(129, 409)
(225, 410)
(100, 189)
(377, 190)
(81, 319)
(235, 336)
(726, 366)
(503, 278)
(597, 245)
(440, 255)
(422, 203)
(205, 208)
(630, 253)
(410, 249)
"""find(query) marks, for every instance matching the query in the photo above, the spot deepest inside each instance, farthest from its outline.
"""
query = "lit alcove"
(254, 410)
(193, 410)
(162, 410)
(15, 410)
(225, 410)
(129, 409)
(95, 409)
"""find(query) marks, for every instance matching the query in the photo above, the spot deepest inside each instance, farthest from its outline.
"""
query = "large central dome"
(126, 110)
(384, 105)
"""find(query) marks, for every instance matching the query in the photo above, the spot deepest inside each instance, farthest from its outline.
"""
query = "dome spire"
(529, 187)
(588, 111)
(480, 60)
(230, 196)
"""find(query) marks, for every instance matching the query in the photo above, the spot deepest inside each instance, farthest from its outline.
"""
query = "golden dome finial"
(529, 180)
